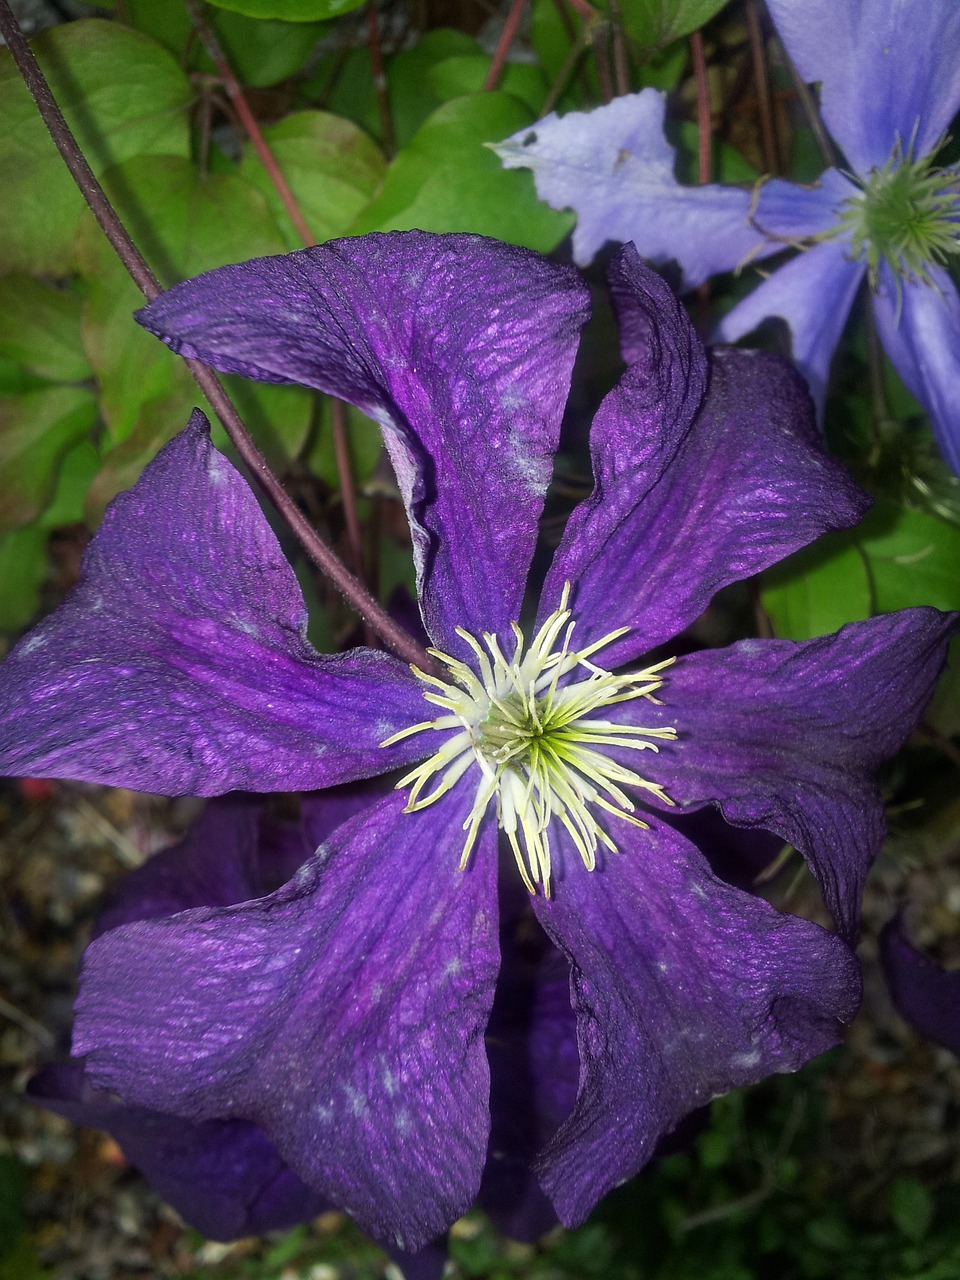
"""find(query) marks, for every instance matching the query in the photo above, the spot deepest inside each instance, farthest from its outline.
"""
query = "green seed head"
(906, 215)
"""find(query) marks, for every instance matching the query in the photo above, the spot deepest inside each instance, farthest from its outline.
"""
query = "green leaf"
(23, 566)
(455, 77)
(726, 165)
(185, 223)
(259, 52)
(122, 94)
(77, 471)
(913, 558)
(911, 1208)
(817, 590)
(331, 166)
(448, 180)
(290, 10)
(36, 430)
(410, 88)
(656, 23)
(40, 329)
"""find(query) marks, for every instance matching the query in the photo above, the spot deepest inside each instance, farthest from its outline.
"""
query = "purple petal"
(813, 293)
(887, 70)
(786, 212)
(321, 812)
(222, 1176)
(343, 1015)
(684, 988)
(681, 508)
(534, 1069)
(919, 326)
(925, 995)
(788, 737)
(460, 347)
(180, 664)
(615, 169)
(215, 865)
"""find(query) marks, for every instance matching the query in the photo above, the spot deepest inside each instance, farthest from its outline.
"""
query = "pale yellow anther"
(536, 741)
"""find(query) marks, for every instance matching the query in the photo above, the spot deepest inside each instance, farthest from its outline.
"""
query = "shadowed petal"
(813, 293)
(534, 1068)
(925, 995)
(888, 69)
(344, 1015)
(788, 737)
(460, 347)
(615, 169)
(684, 988)
(681, 508)
(216, 864)
(222, 1176)
(919, 327)
(179, 663)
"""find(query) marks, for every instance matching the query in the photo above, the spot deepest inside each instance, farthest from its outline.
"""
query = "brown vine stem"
(507, 37)
(704, 151)
(251, 127)
(768, 132)
(380, 80)
(322, 556)
(209, 40)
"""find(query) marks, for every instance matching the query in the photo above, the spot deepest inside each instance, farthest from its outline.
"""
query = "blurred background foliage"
(376, 115)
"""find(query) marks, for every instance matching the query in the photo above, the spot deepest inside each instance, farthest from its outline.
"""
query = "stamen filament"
(528, 724)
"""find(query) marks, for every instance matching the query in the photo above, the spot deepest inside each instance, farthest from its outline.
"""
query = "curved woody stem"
(326, 560)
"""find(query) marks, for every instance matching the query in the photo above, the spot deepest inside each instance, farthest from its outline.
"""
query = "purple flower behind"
(347, 1013)
(925, 995)
(889, 88)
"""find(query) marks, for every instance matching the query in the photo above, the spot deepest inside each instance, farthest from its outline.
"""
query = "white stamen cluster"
(535, 742)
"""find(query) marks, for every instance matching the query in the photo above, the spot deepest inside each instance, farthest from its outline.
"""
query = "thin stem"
(348, 497)
(704, 151)
(621, 69)
(247, 119)
(507, 37)
(811, 114)
(768, 133)
(252, 129)
(566, 71)
(322, 556)
(380, 80)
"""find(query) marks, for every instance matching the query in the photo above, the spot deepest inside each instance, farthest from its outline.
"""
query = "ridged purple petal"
(813, 294)
(692, 491)
(460, 347)
(684, 988)
(344, 1015)
(788, 737)
(180, 664)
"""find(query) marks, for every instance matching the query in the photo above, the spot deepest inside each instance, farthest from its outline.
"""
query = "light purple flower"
(889, 78)
(345, 1014)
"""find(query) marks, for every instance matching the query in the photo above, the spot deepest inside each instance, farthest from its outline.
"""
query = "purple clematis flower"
(225, 1177)
(345, 1013)
(889, 78)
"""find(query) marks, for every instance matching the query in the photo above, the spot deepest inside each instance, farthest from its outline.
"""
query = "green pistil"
(527, 739)
(907, 215)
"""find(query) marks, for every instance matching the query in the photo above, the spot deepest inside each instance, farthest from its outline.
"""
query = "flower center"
(907, 215)
(532, 740)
